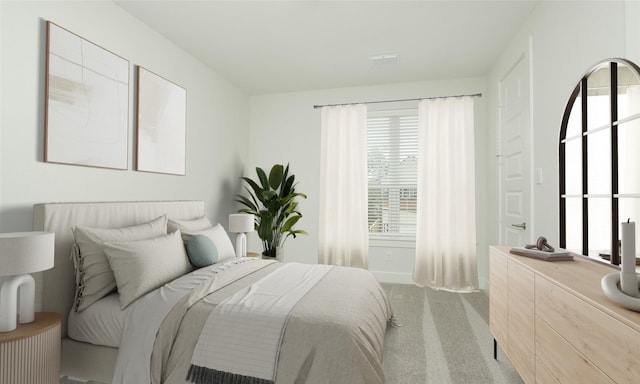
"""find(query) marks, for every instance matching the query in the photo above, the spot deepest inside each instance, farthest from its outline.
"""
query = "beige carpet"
(444, 338)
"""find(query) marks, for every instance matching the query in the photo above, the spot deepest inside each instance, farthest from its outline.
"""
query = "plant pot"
(278, 256)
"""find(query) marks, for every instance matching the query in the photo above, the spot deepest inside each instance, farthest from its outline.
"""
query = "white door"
(514, 162)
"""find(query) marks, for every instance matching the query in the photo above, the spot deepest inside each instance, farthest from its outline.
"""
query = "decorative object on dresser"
(241, 223)
(21, 253)
(622, 287)
(272, 201)
(86, 102)
(162, 122)
(31, 353)
(556, 325)
(542, 250)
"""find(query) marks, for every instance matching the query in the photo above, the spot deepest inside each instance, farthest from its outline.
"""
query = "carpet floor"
(444, 338)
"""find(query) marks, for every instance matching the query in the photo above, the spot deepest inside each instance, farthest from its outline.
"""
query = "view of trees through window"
(392, 138)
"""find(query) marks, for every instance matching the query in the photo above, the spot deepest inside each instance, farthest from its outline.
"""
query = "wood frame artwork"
(87, 102)
(161, 125)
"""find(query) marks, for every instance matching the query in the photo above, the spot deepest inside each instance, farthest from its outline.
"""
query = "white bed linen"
(100, 324)
(145, 317)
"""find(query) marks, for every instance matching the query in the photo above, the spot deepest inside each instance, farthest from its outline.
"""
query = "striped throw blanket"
(240, 341)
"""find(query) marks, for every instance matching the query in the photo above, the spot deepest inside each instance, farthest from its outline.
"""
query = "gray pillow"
(201, 251)
(94, 276)
(197, 224)
(141, 266)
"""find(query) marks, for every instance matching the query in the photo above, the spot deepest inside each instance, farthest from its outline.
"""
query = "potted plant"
(272, 201)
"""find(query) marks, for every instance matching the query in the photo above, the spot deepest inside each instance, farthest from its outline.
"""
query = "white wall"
(217, 116)
(567, 38)
(632, 30)
(286, 129)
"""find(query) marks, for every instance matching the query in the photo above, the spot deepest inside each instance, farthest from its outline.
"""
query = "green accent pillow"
(201, 251)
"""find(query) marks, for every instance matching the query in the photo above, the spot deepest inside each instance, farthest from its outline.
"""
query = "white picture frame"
(87, 102)
(161, 124)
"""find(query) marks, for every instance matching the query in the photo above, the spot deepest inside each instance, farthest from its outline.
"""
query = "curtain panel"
(343, 237)
(446, 219)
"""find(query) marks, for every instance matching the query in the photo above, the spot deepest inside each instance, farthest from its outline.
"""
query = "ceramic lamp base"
(9, 301)
(241, 245)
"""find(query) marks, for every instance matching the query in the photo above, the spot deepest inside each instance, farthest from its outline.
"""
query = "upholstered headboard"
(57, 285)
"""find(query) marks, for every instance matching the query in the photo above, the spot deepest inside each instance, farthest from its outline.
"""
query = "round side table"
(30, 354)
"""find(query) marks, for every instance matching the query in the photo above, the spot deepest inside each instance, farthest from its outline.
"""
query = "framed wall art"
(87, 102)
(161, 125)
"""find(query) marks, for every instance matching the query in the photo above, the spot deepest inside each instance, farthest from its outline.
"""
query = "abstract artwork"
(87, 102)
(162, 109)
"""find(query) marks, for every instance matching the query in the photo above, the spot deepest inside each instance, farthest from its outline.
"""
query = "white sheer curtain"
(343, 233)
(446, 219)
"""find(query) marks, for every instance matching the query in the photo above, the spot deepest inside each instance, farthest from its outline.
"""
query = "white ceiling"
(279, 46)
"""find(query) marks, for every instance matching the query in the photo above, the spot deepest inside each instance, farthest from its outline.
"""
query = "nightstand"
(253, 254)
(30, 354)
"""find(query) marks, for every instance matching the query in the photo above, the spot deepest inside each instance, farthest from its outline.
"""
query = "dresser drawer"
(498, 297)
(606, 342)
(521, 324)
(543, 374)
(564, 363)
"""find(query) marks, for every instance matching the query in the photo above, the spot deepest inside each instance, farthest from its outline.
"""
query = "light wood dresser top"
(582, 278)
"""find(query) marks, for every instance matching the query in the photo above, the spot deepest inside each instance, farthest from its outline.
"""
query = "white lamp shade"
(241, 222)
(26, 252)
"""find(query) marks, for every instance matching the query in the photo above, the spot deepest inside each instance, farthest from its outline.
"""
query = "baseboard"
(393, 277)
(74, 379)
(406, 278)
(484, 284)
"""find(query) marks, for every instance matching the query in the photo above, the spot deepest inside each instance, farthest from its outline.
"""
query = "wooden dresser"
(556, 325)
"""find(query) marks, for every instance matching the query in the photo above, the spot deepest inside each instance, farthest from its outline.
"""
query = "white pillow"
(196, 224)
(93, 274)
(144, 265)
(220, 239)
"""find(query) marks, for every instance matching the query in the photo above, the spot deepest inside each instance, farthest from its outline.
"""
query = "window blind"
(392, 145)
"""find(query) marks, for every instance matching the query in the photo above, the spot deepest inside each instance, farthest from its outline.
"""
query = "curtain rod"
(397, 100)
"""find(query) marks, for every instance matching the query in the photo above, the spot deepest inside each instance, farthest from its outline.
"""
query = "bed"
(318, 333)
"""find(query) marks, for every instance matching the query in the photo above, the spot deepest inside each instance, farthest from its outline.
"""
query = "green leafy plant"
(272, 200)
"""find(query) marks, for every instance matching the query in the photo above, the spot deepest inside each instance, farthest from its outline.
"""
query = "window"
(599, 159)
(392, 145)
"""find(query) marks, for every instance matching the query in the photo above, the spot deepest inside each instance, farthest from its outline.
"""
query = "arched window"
(600, 159)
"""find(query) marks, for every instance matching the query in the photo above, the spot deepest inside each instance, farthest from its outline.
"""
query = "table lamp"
(241, 223)
(21, 253)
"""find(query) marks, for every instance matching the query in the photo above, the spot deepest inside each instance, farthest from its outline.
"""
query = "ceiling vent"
(384, 59)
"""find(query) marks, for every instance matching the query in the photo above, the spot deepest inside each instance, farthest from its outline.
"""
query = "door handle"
(523, 226)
